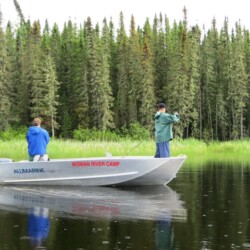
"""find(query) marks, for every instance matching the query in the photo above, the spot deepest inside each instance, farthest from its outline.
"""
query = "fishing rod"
(137, 145)
(108, 154)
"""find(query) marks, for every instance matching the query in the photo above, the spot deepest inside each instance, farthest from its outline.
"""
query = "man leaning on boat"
(38, 139)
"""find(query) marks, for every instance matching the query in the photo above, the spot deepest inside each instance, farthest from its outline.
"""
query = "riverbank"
(197, 151)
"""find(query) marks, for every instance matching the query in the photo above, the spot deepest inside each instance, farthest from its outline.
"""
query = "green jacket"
(163, 126)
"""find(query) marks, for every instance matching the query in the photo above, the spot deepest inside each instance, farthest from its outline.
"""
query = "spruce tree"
(135, 73)
(237, 89)
(5, 105)
(121, 103)
(147, 95)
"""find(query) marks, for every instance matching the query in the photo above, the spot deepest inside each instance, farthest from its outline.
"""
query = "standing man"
(163, 130)
(38, 139)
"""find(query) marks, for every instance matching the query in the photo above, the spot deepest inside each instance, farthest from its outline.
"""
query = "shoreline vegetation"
(198, 152)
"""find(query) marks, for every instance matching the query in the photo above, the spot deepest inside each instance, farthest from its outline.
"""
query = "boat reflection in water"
(157, 203)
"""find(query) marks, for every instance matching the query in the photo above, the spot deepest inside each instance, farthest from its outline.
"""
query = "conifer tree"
(247, 61)
(100, 92)
(67, 77)
(224, 55)
(135, 73)
(159, 51)
(5, 105)
(38, 89)
(19, 11)
(237, 89)
(51, 97)
(147, 96)
(12, 73)
(107, 95)
(210, 83)
(194, 80)
(81, 85)
(121, 104)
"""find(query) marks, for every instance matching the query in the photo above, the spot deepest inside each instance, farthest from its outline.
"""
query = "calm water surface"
(205, 207)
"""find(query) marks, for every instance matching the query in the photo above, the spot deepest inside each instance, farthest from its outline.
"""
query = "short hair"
(37, 121)
(161, 105)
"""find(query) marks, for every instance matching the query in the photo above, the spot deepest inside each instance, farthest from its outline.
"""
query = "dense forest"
(107, 78)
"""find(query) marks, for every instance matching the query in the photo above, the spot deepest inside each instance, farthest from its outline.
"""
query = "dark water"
(205, 207)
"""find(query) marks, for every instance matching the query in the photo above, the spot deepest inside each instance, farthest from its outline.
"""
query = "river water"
(206, 207)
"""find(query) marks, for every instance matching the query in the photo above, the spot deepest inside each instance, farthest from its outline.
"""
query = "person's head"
(161, 107)
(37, 122)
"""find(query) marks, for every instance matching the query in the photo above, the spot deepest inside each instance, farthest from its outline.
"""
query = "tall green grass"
(196, 151)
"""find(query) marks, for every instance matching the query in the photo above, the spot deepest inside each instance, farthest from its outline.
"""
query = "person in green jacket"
(163, 130)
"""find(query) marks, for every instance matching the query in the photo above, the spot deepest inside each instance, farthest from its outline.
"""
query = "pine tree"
(237, 89)
(12, 74)
(247, 61)
(147, 101)
(67, 76)
(19, 11)
(194, 80)
(51, 97)
(100, 92)
(159, 51)
(224, 55)
(210, 83)
(81, 98)
(23, 56)
(38, 89)
(5, 104)
(107, 95)
(121, 103)
(135, 73)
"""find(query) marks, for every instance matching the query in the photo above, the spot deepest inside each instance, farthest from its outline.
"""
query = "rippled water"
(205, 207)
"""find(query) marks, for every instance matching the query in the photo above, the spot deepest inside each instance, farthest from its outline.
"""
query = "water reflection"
(148, 203)
(42, 205)
(38, 225)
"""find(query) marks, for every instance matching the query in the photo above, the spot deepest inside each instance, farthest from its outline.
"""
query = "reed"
(196, 151)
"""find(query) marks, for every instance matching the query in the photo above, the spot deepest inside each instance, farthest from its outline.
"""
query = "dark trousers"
(162, 150)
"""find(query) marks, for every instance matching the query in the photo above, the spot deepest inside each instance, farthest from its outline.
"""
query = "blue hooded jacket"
(38, 139)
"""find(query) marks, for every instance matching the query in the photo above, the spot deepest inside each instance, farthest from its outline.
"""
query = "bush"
(13, 134)
(137, 132)
(134, 132)
(95, 135)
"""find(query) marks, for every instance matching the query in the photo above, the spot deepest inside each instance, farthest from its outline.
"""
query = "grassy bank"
(197, 151)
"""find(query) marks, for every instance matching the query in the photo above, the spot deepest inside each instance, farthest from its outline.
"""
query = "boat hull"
(92, 171)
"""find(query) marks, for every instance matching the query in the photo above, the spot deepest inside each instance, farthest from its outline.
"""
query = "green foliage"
(13, 134)
(95, 135)
(134, 132)
(92, 79)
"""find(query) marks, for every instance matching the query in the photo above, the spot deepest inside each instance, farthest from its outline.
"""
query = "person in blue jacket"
(163, 130)
(38, 139)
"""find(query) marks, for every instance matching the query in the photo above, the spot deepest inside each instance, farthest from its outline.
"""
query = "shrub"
(13, 134)
(137, 132)
(95, 135)
(134, 132)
